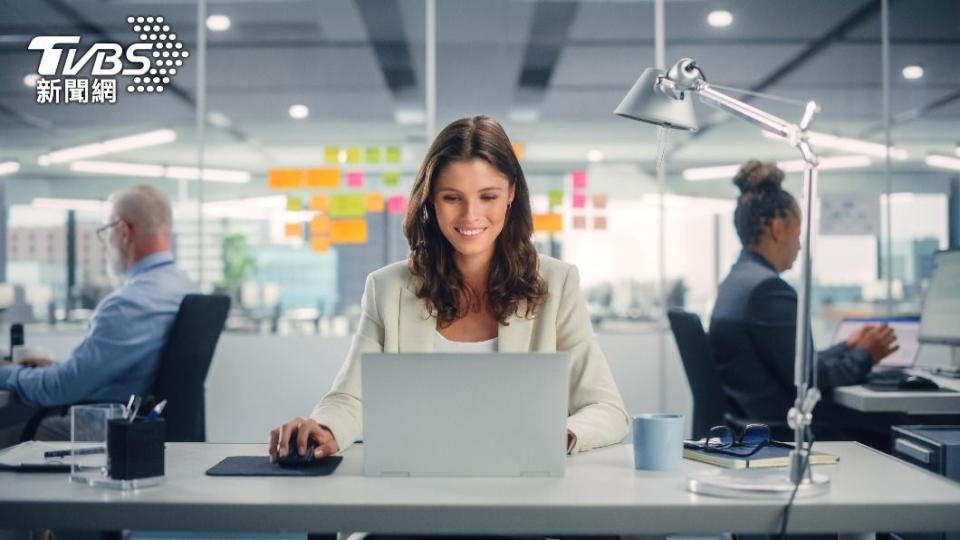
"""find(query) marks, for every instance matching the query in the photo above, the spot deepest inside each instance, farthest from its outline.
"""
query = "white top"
(442, 344)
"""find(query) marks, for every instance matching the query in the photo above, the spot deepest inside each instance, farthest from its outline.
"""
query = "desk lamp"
(665, 100)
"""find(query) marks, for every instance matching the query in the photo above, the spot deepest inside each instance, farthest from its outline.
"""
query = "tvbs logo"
(152, 62)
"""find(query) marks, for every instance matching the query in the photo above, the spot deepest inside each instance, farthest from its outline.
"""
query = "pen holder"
(135, 449)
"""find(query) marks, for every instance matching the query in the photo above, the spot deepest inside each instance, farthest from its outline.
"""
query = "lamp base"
(755, 483)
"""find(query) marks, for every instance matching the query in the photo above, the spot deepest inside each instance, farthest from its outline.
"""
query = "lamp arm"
(755, 116)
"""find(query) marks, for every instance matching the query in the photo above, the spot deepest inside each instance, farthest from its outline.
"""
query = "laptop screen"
(906, 329)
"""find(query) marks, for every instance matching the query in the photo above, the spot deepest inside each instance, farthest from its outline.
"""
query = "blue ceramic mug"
(657, 442)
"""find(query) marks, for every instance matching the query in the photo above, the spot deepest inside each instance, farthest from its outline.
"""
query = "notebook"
(777, 455)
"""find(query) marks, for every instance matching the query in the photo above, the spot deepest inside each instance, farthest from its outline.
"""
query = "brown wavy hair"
(514, 277)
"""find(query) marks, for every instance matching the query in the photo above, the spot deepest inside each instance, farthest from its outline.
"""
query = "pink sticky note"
(579, 179)
(355, 179)
(397, 204)
(579, 200)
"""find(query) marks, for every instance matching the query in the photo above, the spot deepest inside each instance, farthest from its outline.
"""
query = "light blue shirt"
(120, 354)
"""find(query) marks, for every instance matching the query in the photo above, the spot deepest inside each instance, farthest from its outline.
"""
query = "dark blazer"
(752, 337)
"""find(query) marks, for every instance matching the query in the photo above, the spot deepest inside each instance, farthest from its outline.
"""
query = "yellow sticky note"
(348, 231)
(348, 205)
(373, 154)
(293, 230)
(294, 204)
(375, 202)
(549, 223)
(319, 203)
(285, 178)
(331, 155)
(320, 226)
(323, 178)
(320, 244)
(353, 155)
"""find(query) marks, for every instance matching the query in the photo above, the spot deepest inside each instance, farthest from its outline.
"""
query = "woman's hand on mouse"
(304, 429)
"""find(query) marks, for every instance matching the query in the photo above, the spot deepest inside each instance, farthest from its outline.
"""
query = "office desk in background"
(915, 402)
(600, 494)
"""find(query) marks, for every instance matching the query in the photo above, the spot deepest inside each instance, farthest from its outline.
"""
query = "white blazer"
(394, 320)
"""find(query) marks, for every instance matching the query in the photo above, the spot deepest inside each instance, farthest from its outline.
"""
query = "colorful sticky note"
(348, 231)
(579, 200)
(353, 155)
(555, 197)
(391, 179)
(348, 205)
(373, 154)
(294, 204)
(375, 202)
(293, 230)
(331, 154)
(285, 178)
(328, 178)
(579, 179)
(599, 200)
(600, 222)
(518, 150)
(320, 244)
(320, 226)
(319, 203)
(397, 204)
(354, 179)
(579, 222)
(548, 223)
(394, 155)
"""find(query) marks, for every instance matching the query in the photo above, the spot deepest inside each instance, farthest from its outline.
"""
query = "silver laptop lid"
(444, 414)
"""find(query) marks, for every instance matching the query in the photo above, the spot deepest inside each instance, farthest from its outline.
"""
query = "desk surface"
(863, 399)
(601, 493)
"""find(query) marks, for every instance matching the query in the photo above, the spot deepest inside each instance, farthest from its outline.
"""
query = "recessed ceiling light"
(31, 80)
(913, 72)
(218, 23)
(720, 18)
(299, 111)
(594, 156)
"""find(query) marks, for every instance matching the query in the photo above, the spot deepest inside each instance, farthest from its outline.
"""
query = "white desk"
(601, 493)
(863, 399)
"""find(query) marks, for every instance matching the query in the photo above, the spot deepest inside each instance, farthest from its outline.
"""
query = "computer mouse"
(293, 458)
(914, 382)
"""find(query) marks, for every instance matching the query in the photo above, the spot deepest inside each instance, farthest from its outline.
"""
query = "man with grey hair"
(120, 353)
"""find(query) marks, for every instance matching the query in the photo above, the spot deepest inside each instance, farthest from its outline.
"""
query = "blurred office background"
(316, 115)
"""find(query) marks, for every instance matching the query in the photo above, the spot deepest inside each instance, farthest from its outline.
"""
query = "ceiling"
(551, 71)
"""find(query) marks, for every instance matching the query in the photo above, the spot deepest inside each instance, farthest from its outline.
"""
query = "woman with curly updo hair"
(473, 282)
(753, 328)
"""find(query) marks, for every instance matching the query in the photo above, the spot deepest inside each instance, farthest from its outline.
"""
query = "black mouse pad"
(261, 466)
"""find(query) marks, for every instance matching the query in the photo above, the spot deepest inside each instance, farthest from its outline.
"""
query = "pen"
(78, 452)
(157, 410)
(130, 405)
(136, 408)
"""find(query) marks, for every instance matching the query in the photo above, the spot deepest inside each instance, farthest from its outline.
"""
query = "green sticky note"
(352, 205)
(555, 197)
(294, 204)
(373, 154)
(394, 155)
(391, 179)
(331, 154)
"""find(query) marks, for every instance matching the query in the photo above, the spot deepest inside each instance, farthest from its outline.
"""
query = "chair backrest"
(709, 401)
(184, 363)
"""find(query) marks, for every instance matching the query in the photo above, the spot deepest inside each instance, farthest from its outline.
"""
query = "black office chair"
(184, 363)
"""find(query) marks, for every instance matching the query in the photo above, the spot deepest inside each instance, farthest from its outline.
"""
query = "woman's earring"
(426, 215)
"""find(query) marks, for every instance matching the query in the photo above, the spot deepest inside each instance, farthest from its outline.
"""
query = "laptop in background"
(907, 330)
(488, 414)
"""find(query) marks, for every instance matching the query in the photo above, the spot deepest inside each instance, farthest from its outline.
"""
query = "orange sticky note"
(579, 222)
(320, 244)
(600, 223)
(599, 200)
(320, 226)
(549, 223)
(518, 150)
(319, 203)
(293, 230)
(375, 202)
(348, 231)
(328, 178)
(285, 178)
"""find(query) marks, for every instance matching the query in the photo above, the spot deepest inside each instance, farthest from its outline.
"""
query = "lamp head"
(649, 102)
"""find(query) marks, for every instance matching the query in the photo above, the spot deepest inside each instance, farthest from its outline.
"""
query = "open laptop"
(907, 330)
(488, 414)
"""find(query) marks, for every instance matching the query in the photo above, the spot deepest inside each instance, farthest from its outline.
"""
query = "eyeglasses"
(721, 439)
(101, 231)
